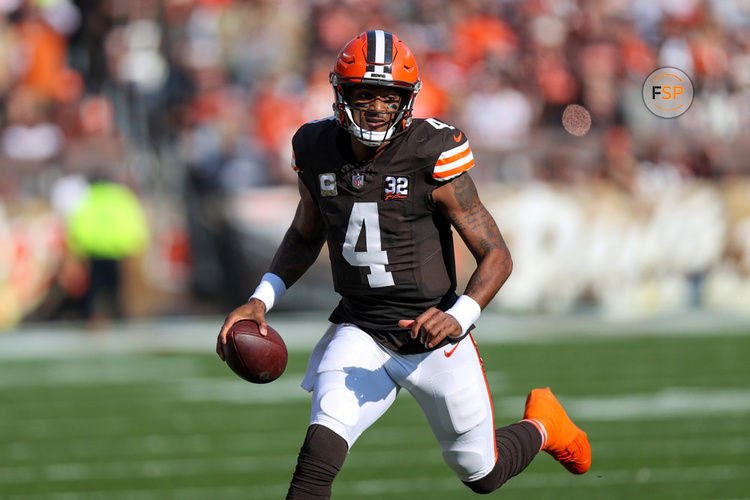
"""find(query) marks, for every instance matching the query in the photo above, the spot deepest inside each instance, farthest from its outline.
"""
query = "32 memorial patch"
(395, 187)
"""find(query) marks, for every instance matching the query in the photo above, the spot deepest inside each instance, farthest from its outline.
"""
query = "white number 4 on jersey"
(365, 215)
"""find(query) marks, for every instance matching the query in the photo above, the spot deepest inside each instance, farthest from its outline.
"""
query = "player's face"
(374, 107)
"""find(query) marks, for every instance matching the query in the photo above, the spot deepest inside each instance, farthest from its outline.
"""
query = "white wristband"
(269, 290)
(466, 311)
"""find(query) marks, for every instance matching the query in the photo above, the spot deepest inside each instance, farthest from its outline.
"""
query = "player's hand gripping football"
(254, 310)
(432, 326)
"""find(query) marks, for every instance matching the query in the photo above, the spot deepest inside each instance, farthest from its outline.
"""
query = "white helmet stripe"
(379, 47)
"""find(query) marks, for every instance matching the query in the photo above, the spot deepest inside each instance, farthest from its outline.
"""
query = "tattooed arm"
(459, 202)
(296, 253)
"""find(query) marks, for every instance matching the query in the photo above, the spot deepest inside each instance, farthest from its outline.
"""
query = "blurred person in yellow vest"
(107, 226)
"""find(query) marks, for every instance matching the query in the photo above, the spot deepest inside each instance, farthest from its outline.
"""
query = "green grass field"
(667, 417)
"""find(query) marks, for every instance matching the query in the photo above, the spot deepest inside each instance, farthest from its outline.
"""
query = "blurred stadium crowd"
(191, 104)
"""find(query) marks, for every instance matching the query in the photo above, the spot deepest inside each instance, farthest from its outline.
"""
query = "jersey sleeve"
(306, 143)
(455, 156)
(298, 145)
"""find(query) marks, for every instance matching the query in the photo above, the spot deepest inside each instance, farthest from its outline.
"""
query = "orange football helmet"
(379, 58)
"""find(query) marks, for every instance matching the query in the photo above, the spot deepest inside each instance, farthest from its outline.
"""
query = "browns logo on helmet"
(376, 58)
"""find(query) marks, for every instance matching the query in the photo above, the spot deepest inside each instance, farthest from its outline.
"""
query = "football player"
(384, 190)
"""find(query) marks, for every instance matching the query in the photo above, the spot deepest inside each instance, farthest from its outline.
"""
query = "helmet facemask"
(397, 120)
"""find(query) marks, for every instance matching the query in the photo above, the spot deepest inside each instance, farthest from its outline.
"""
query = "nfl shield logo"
(358, 180)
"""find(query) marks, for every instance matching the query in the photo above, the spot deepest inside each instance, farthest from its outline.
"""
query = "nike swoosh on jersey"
(457, 138)
(448, 354)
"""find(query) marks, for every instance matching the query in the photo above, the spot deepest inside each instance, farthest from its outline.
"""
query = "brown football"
(250, 355)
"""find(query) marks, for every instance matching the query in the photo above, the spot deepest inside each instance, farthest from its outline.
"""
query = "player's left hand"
(432, 326)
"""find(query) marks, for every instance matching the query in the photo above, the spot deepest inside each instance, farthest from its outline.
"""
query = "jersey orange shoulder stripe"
(454, 171)
(450, 159)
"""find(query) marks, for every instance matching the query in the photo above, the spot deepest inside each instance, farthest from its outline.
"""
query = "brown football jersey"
(391, 249)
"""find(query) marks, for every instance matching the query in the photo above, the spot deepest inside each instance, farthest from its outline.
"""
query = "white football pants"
(355, 380)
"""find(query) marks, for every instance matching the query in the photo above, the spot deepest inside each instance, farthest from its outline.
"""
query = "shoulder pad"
(450, 148)
(307, 137)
